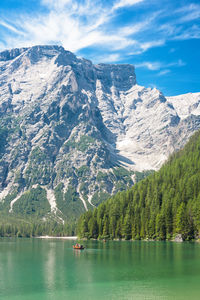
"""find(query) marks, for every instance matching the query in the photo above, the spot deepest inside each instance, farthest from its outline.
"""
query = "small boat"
(78, 247)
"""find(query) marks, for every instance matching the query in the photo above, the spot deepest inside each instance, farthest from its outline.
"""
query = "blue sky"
(160, 37)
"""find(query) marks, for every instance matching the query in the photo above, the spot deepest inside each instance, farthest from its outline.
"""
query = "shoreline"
(100, 240)
(57, 237)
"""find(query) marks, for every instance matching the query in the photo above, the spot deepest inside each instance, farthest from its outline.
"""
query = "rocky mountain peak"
(11, 54)
(122, 77)
(80, 131)
(37, 53)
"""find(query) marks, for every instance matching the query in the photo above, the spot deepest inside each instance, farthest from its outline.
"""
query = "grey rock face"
(178, 238)
(81, 130)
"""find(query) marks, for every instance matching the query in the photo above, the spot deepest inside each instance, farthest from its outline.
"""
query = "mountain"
(72, 133)
(165, 205)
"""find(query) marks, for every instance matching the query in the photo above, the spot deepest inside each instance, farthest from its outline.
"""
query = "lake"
(51, 269)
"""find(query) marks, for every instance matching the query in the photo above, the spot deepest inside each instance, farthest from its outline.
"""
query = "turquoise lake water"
(51, 269)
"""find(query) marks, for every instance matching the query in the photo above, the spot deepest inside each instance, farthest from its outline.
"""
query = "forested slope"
(161, 206)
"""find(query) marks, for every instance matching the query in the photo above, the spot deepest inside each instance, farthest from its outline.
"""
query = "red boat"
(78, 247)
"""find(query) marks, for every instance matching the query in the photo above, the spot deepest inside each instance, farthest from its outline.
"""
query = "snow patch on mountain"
(13, 202)
(186, 104)
(52, 201)
(81, 197)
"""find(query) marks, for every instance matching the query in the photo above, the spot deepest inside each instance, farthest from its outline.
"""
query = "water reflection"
(53, 270)
(50, 267)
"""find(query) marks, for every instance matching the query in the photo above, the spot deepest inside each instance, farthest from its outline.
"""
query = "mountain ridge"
(80, 131)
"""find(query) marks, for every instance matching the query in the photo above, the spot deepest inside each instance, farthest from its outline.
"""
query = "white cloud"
(10, 27)
(125, 3)
(168, 30)
(157, 65)
(191, 16)
(75, 26)
(188, 8)
(74, 7)
(72, 34)
(149, 65)
(178, 63)
(139, 26)
(189, 13)
(107, 58)
(190, 33)
(56, 4)
(87, 23)
(150, 44)
(176, 31)
(164, 72)
(132, 29)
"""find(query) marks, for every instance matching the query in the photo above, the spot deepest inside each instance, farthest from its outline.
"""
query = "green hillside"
(164, 204)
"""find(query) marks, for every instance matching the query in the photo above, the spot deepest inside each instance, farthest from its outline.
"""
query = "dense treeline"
(161, 206)
(24, 229)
